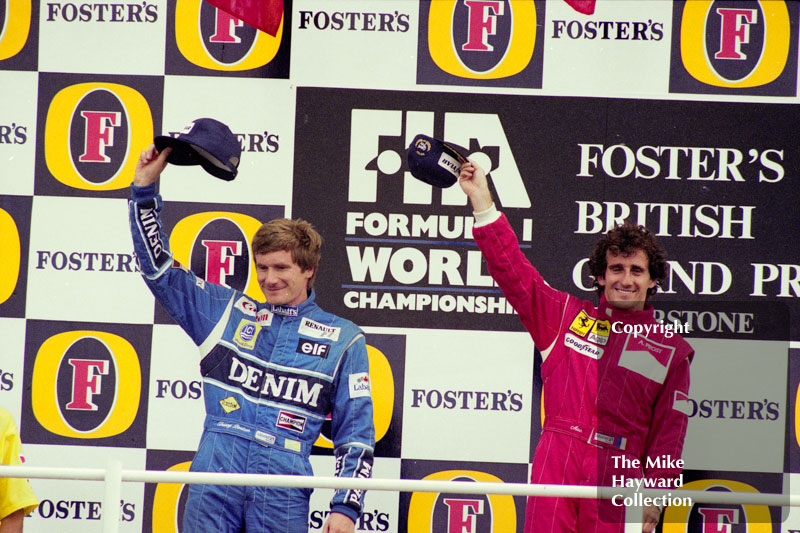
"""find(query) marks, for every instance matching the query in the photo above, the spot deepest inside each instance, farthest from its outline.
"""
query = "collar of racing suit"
(295, 310)
(608, 311)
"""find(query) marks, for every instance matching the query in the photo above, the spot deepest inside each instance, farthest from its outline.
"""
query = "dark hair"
(297, 237)
(626, 239)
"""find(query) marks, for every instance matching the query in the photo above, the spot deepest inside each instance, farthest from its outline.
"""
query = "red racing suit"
(607, 393)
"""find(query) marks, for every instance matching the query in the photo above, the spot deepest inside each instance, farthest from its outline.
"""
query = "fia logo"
(378, 142)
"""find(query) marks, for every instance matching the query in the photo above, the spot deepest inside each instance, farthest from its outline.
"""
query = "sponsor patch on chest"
(647, 358)
(599, 333)
(359, 385)
(581, 324)
(229, 404)
(264, 318)
(246, 306)
(309, 328)
(246, 334)
(582, 346)
(291, 421)
(308, 347)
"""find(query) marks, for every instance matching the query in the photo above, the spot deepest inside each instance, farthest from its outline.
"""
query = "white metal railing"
(113, 476)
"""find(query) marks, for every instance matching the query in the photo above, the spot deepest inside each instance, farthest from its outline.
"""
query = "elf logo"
(738, 45)
(15, 25)
(216, 247)
(86, 384)
(212, 39)
(313, 348)
(89, 131)
(378, 142)
(461, 512)
(481, 40)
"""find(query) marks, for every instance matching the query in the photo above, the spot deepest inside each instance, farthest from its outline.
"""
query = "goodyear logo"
(717, 517)
(89, 131)
(10, 256)
(16, 28)
(737, 47)
(216, 246)
(462, 512)
(86, 384)
(483, 41)
(212, 39)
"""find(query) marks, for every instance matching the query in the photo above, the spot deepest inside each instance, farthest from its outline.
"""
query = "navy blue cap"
(434, 162)
(205, 142)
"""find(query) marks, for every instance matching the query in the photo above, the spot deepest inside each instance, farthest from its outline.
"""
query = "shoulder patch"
(246, 306)
(359, 385)
(581, 324)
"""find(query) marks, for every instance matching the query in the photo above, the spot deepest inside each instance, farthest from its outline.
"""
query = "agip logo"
(92, 132)
(481, 42)
(210, 41)
(741, 47)
(87, 385)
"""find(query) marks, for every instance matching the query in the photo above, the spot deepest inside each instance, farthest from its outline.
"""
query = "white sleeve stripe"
(216, 333)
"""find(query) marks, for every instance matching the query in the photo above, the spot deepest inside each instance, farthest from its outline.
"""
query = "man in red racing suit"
(615, 381)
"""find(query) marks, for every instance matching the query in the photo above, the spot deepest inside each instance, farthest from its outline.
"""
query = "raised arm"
(474, 184)
(149, 166)
(539, 306)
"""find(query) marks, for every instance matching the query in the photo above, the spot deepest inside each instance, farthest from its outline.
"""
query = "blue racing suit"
(271, 376)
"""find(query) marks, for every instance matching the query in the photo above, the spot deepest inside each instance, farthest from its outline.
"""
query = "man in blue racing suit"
(272, 372)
